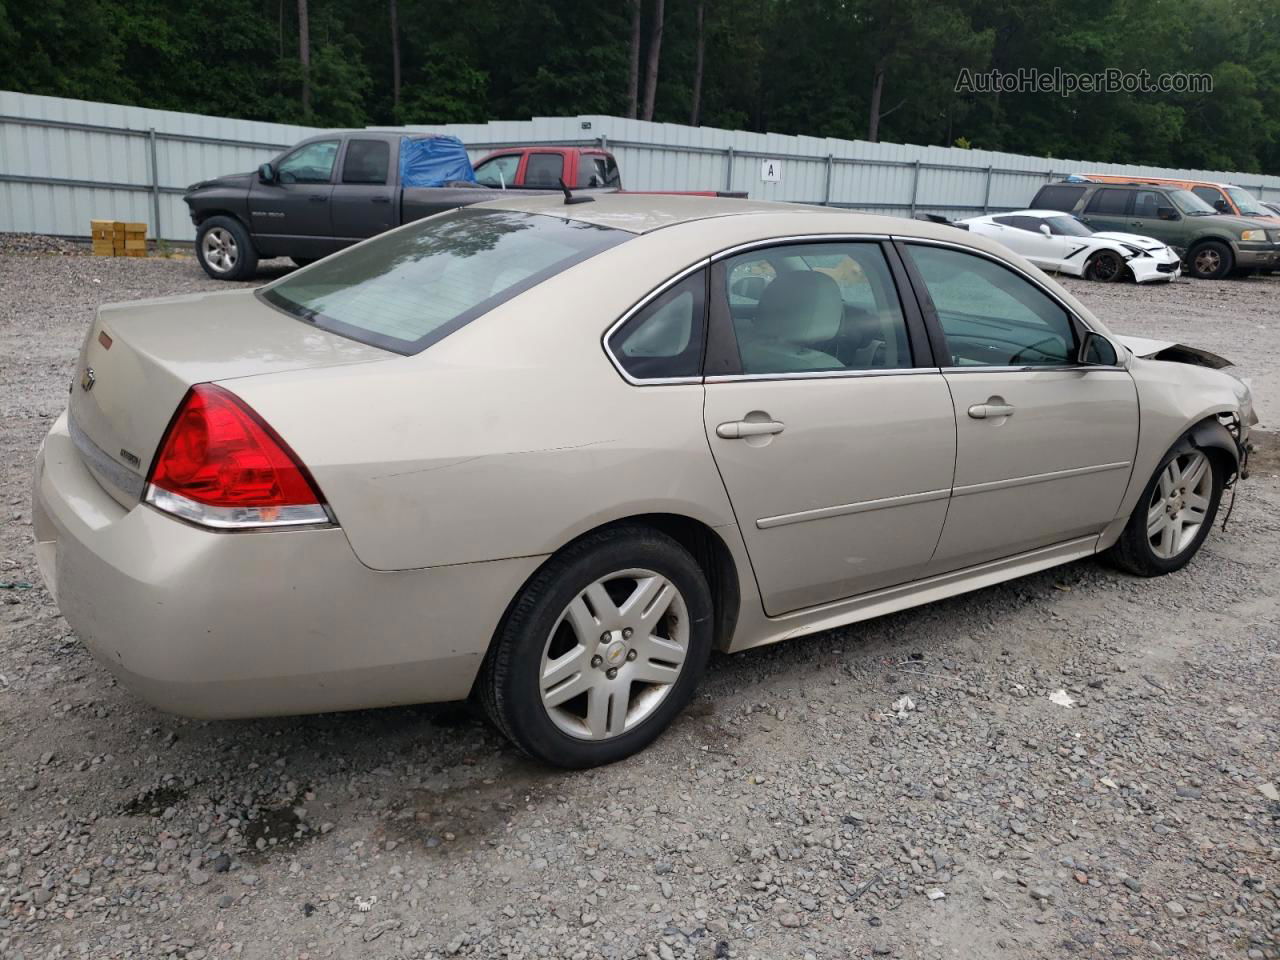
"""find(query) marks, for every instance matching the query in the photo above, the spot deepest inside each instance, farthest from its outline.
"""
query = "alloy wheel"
(1208, 262)
(1179, 504)
(1106, 267)
(220, 250)
(614, 655)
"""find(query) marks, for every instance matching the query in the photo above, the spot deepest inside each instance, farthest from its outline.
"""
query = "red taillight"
(221, 465)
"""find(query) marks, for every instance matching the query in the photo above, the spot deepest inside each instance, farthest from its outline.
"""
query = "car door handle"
(981, 411)
(381, 199)
(738, 429)
(317, 198)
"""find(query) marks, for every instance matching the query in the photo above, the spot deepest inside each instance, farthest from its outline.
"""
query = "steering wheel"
(1017, 357)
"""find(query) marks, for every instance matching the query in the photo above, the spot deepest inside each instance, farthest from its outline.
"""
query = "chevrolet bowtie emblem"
(88, 380)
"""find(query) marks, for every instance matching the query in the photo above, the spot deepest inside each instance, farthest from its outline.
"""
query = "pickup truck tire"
(224, 249)
(1210, 260)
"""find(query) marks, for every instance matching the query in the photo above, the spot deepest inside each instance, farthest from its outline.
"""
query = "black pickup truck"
(326, 193)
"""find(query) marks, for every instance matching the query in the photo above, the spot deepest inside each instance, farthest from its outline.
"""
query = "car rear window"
(410, 288)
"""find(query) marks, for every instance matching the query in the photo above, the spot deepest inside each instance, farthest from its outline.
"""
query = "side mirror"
(267, 173)
(1167, 213)
(1044, 228)
(1097, 351)
(1221, 206)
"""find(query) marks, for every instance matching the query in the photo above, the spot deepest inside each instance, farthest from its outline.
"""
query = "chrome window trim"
(640, 305)
(799, 238)
(1056, 368)
(824, 374)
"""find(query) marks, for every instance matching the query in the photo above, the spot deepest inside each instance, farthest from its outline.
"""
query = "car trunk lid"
(140, 358)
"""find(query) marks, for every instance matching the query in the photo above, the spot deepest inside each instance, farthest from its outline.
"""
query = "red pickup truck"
(581, 168)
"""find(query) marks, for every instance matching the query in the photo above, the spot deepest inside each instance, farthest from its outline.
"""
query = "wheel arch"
(201, 216)
(707, 547)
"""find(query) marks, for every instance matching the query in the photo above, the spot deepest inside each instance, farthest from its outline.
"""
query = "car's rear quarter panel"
(509, 437)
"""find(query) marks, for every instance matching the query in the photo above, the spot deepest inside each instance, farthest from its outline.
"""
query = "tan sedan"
(552, 454)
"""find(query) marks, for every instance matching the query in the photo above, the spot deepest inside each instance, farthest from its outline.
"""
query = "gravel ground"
(906, 788)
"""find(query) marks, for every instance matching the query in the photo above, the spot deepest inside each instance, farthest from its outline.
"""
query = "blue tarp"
(433, 162)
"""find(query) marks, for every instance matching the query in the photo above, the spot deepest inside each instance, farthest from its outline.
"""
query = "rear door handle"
(381, 199)
(738, 429)
(981, 411)
(317, 198)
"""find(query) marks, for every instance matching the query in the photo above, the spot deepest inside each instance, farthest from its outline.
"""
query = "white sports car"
(1060, 243)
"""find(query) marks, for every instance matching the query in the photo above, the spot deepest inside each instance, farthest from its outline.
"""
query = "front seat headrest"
(802, 306)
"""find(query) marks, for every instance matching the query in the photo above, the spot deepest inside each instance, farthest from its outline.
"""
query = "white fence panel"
(65, 162)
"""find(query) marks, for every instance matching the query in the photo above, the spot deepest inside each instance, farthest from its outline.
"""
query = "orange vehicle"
(1223, 197)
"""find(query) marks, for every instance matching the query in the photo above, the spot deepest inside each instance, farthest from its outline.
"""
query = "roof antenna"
(570, 198)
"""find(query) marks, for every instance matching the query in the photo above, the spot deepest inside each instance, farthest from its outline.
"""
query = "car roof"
(646, 212)
(642, 213)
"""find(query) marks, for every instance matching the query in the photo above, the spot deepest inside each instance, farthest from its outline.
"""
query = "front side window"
(409, 288)
(1147, 204)
(819, 307)
(310, 163)
(544, 170)
(1109, 202)
(367, 162)
(499, 172)
(665, 339)
(990, 315)
(1189, 203)
(1247, 203)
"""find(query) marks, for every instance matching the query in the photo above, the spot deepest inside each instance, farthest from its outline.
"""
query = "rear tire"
(576, 676)
(1105, 266)
(1174, 514)
(1210, 260)
(224, 249)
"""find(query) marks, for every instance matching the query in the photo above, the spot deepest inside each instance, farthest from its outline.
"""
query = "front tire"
(1105, 266)
(601, 650)
(1210, 260)
(1173, 515)
(224, 249)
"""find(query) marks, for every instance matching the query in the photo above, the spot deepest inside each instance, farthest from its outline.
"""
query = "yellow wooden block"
(132, 244)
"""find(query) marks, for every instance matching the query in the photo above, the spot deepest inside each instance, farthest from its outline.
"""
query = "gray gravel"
(903, 789)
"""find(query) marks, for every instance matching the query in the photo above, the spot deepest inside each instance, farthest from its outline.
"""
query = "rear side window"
(1058, 197)
(544, 170)
(822, 307)
(367, 161)
(665, 338)
(409, 288)
(1108, 201)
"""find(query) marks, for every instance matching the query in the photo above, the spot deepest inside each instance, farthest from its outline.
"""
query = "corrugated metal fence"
(64, 162)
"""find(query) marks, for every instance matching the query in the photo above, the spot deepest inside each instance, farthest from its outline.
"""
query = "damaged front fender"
(1173, 352)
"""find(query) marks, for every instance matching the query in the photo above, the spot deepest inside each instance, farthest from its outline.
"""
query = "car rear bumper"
(250, 624)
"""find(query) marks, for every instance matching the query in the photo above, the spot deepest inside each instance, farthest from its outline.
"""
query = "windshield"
(1068, 227)
(1189, 203)
(1248, 204)
(409, 288)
